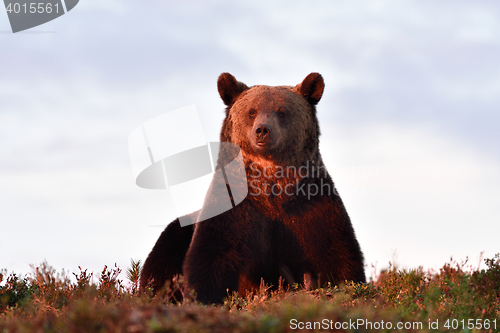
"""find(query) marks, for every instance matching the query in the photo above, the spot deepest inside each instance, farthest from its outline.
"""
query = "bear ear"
(229, 88)
(312, 88)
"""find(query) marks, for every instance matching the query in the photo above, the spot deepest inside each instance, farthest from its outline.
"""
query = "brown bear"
(291, 225)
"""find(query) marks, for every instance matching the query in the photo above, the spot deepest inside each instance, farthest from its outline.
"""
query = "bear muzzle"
(265, 137)
(263, 134)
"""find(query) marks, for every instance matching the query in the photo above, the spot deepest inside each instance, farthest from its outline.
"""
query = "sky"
(409, 119)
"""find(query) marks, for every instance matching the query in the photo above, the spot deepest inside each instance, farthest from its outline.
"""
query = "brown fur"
(294, 235)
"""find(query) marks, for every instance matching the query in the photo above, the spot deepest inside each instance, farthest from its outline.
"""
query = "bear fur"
(292, 224)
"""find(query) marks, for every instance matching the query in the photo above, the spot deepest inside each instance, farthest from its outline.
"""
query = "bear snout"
(263, 132)
(264, 136)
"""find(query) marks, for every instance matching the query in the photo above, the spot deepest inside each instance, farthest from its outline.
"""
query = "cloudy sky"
(410, 120)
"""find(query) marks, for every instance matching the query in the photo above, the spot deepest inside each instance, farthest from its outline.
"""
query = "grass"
(454, 299)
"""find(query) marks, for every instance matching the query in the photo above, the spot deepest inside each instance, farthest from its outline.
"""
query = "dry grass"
(47, 301)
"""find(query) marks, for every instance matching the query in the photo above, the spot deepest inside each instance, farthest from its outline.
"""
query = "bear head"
(276, 125)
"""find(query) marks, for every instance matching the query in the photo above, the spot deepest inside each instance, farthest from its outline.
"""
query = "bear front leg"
(213, 265)
(167, 257)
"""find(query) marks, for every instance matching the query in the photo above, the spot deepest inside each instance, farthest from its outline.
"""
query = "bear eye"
(252, 113)
(281, 113)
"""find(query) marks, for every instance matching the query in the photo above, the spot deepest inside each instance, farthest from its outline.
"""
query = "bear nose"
(262, 130)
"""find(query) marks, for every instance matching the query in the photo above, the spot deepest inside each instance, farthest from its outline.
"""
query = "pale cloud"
(415, 191)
